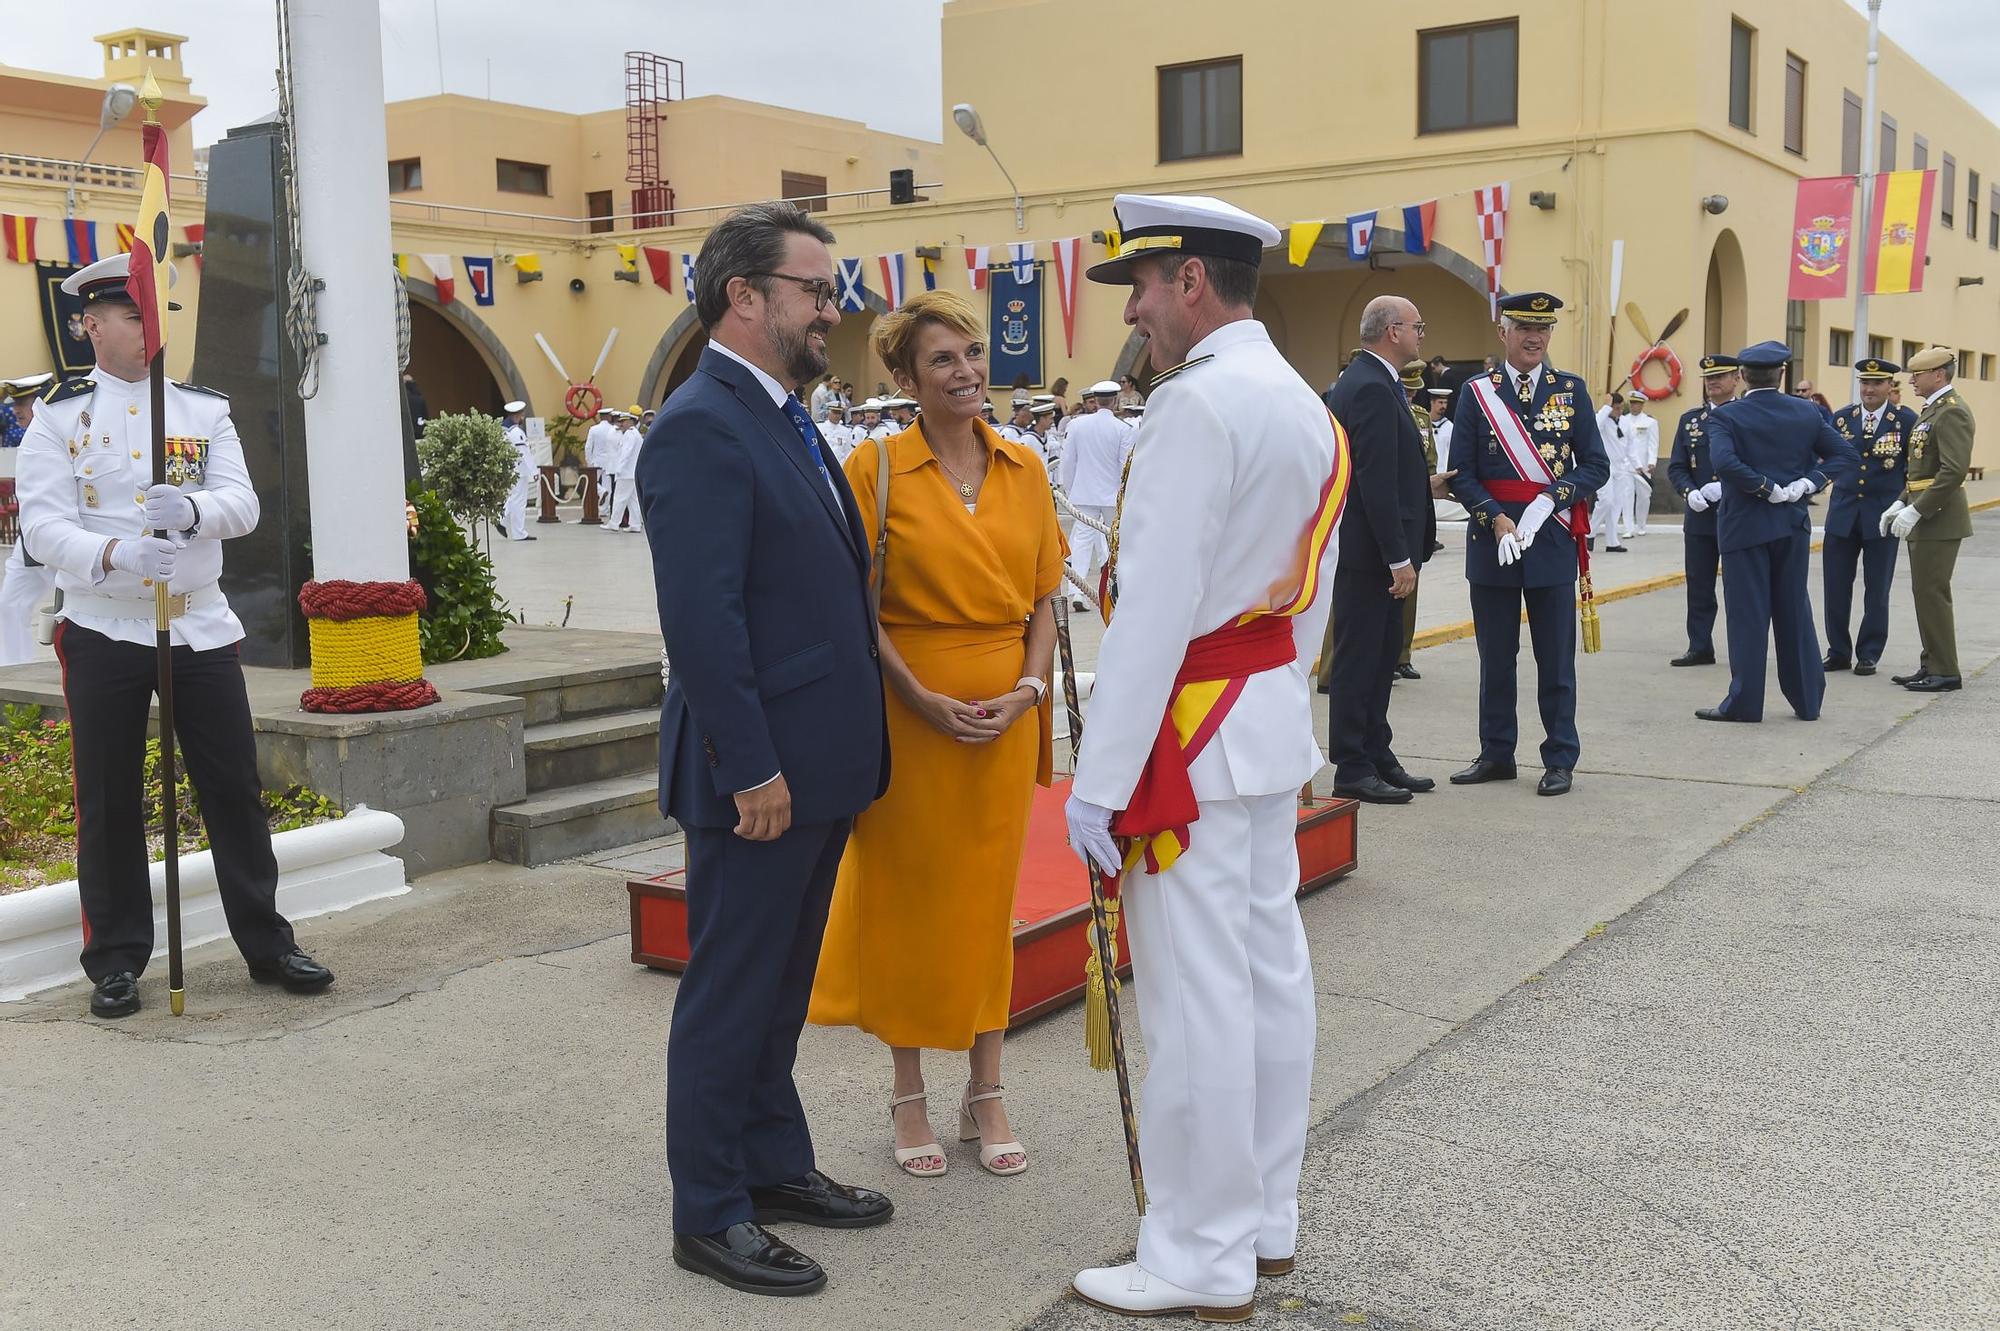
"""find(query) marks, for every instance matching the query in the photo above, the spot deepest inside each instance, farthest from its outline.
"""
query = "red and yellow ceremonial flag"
(1822, 238)
(20, 237)
(1902, 213)
(147, 283)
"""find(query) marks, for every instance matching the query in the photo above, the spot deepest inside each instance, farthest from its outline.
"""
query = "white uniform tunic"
(1608, 516)
(622, 458)
(1092, 467)
(1642, 438)
(515, 514)
(1226, 474)
(86, 463)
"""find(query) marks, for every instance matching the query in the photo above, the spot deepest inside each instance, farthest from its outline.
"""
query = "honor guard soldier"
(89, 510)
(27, 582)
(1525, 449)
(1770, 450)
(1692, 474)
(1932, 515)
(1880, 433)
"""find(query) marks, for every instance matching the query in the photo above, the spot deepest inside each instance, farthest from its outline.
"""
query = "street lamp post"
(967, 120)
(119, 99)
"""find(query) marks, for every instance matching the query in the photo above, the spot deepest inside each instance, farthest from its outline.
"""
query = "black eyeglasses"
(1405, 323)
(818, 288)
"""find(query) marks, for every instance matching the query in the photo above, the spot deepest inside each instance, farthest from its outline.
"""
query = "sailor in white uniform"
(1095, 447)
(1235, 487)
(622, 454)
(515, 515)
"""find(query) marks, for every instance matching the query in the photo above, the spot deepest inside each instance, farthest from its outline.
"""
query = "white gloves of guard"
(1790, 493)
(1532, 517)
(167, 509)
(1510, 549)
(1889, 516)
(1905, 522)
(1698, 499)
(1090, 835)
(1712, 492)
(145, 557)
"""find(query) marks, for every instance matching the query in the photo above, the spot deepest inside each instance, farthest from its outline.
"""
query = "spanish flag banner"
(147, 283)
(1902, 211)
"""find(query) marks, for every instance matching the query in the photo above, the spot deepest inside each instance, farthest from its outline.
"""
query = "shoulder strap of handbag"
(881, 528)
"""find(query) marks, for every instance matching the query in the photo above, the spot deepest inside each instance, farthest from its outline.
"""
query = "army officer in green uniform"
(1932, 515)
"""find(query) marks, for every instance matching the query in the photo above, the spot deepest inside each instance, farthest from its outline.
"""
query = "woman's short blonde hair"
(894, 337)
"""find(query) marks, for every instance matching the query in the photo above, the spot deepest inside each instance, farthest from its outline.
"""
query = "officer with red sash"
(1528, 461)
(1198, 738)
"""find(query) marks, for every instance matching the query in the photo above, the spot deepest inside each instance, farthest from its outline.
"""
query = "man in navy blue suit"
(772, 739)
(1880, 433)
(1526, 458)
(1693, 476)
(1770, 450)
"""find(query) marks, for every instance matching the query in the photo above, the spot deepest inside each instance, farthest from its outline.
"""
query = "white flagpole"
(1870, 149)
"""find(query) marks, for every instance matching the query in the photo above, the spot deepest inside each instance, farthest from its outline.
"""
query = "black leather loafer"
(1910, 678)
(1483, 769)
(815, 1199)
(1934, 684)
(295, 970)
(1416, 785)
(1372, 790)
(1717, 714)
(1555, 781)
(116, 995)
(1693, 658)
(1832, 662)
(750, 1258)
(1614, 549)
(1864, 667)
(1407, 671)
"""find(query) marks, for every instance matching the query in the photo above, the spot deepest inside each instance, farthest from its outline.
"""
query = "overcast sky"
(869, 60)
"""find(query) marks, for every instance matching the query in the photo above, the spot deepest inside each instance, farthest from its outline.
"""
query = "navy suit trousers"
(1766, 589)
(1702, 560)
(1496, 622)
(1367, 642)
(756, 913)
(1877, 557)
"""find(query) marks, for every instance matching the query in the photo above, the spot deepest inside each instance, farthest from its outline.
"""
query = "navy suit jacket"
(1689, 467)
(762, 583)
(1855, 509)
(1766, 439)
(1564, 428)
(1389, 516)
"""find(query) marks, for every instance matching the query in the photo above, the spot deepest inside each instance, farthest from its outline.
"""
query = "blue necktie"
(802, 422)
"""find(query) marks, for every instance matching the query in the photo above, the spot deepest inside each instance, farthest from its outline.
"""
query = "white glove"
(1510, 549)
(1090, 835)
(1799, 489)
(1889, 516)
(167, 509)
(1712, 492)
(144, 557)
(1532, 517)
(1906, 522)
(1698, 499)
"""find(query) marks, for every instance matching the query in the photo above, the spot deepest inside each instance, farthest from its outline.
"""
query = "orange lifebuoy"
(583, 400)
(1665, 355)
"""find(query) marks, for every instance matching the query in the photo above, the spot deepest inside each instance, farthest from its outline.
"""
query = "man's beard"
(795, 348)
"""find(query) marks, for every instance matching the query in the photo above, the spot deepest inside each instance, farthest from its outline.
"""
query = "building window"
(1201, 110)
(1468, 78)
(1972, 206)
(1878, 346)
(1795, 104)
(1839, 346)
(1992, 212)
(1910, 349)
(406, 175)
(1888, 159)
(1965, 365)
(520, 177)
(1986, 361)
(810, 191)
(1795, 330)
(1947, 188)
(598, 206)
(1742, 48)
(1850, 134)
(1920, 153)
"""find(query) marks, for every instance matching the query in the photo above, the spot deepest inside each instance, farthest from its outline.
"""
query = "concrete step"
(595, 691)
(576, 820)
(590, 748)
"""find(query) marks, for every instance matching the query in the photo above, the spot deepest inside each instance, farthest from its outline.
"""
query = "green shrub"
(465, 614)
(468, 463)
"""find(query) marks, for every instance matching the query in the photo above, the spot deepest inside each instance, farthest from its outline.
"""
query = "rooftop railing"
(88, 175)
(411, 210)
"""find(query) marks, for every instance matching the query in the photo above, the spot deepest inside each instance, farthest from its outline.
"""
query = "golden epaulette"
(1165, 375)
(71, 388)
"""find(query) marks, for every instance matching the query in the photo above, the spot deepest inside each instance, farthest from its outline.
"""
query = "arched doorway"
(1724, 326)
(456, 360)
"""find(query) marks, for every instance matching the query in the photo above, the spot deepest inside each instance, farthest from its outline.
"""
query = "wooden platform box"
(1052, 903)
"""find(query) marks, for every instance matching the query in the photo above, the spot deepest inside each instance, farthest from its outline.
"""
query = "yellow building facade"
(1609, 121)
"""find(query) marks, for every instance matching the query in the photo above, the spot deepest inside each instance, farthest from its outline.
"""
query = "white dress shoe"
(1133, 1290)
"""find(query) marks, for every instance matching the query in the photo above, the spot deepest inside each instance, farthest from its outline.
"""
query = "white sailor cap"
(1191, 224)
(1103, 388)
(1043, 408)
(1019, 401)
(26, 386)
(105, 280)
(1039, 398)
(512, 407)
(872, 404)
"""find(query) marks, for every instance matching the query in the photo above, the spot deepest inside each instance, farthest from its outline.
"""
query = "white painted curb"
(321, 869)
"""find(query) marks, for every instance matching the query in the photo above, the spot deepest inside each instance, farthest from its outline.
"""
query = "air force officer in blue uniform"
(1692, 473)
(1518, 548)
(1771, 451)
(771, 739)
(1880, 433)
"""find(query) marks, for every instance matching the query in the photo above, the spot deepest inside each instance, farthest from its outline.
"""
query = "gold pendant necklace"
(964, 486)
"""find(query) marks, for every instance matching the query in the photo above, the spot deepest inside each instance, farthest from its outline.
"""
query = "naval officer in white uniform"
(1231, 510)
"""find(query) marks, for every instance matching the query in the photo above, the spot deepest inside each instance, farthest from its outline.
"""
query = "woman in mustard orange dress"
(919, 944)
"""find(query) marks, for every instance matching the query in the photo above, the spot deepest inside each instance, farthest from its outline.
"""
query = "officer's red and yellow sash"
(1518, 447)
(1154, 826)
